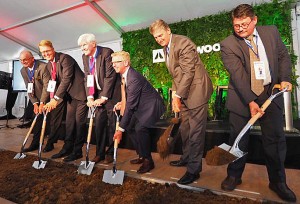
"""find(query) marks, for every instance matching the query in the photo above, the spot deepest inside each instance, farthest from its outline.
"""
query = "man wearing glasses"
(66, 86)
(256, 59)
(36, 77)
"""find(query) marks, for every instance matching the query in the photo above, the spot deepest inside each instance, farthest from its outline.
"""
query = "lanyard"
(92, 62)
(31, 73)
(252, 48)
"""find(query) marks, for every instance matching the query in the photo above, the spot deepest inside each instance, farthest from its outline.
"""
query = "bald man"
(36, 78)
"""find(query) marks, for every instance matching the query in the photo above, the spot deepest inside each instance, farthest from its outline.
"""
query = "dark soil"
(60, 183)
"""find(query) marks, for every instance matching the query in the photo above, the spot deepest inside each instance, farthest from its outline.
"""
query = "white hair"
(86, 38)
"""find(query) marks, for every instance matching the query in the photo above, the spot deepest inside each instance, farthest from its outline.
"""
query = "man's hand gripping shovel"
(224, 154)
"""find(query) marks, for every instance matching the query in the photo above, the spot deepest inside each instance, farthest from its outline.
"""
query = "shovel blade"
(39, 164)
(86, 168)
(113, 178)
(20, 156)
(219, 155)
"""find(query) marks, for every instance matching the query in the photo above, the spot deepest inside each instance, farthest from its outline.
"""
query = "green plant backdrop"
(207, 30)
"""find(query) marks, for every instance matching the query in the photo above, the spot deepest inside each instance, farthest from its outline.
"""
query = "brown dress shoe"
(97, 159)
(138, 160)
(146, 166)
(108, 159)
(230, 183)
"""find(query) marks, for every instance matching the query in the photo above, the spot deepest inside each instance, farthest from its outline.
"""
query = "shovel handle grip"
(258, 115)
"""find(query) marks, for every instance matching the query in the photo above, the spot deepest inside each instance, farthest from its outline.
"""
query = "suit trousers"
(140, 138)
(75, 125)
(192, 130)
(273, 142)
(56, 118)
(100, 122)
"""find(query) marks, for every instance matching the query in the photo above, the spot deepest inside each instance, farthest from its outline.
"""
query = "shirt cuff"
(121, 129)
(104, 97)
(56, 98)
(177, 96)
(90, 97)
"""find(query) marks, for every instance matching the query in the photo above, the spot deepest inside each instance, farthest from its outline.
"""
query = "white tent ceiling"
(23, 23)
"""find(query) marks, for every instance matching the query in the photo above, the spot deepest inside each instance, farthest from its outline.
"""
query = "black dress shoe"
(178, 163)
(138, 160)
(49, 147)
(230, 183)
(188, 178)
(72, 157)
(31, 148)
(60, 154)
(146, 166)
(97, 159)
(283, 191)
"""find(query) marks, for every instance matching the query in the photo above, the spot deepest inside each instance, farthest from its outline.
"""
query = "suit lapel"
(264, 36)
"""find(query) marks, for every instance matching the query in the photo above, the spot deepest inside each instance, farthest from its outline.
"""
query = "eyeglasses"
(25, 60)
(46, 51)
(117, 61)
(243, 25)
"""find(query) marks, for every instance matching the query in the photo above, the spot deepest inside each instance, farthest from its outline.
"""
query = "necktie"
(167, 57)
(92, 71)
(53, 76)
(123, 95)
(256, 84)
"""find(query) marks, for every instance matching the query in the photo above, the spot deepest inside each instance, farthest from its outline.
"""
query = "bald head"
(26, 58)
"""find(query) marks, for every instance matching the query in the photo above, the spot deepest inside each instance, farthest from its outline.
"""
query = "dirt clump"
(60, 183)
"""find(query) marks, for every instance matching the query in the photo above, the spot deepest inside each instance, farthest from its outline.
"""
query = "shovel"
(21, 154)
(168, 138)
(224, 154)
(40, 164)
(114, 176)
(86, 167)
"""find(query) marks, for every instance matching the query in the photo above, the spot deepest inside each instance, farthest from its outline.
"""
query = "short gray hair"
(86, 38)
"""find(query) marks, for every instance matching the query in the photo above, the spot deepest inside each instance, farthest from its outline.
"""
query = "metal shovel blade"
(86, 168)
(20, 156)
(113, 178)
(39, 164)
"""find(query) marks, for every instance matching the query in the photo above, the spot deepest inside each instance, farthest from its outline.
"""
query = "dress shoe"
(108, 159)
(146, 166)
(230, 183)
(178, 163)
(97, 159)
(188, 178)
(31, 148)
(283, 191)
(49, 147)
(60, 154)
(72, 157)
(138, 160)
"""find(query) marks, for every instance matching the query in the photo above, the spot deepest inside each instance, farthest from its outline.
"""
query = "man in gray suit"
(191, 89)
(36, 77)
(244, 101)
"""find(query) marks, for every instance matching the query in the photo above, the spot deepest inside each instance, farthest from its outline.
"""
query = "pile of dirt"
(60, 183)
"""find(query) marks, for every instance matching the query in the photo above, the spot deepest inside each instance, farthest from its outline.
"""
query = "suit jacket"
(69, 77)
(190, 79)
(41, 79)
(236, 59)
(109, 81)
(142, 100)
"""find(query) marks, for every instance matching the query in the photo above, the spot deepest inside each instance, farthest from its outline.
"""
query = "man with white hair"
(103, 91)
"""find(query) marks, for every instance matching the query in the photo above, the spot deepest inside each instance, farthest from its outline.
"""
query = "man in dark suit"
(144, 105)
(191, 89)
(102, 90)
(244, 101)
(36, 77)
(66, 84)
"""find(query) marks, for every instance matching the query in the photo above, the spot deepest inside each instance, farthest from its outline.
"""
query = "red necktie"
(92, 65)
(53, 76)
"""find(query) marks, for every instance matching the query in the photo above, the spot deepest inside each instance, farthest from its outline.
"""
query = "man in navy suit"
(144, 106)
(245, 101)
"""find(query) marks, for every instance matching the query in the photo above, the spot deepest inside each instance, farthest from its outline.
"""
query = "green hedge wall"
(207, 30)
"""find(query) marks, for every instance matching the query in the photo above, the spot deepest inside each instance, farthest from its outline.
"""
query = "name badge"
(260, 70)
(51, 86)
(90, 80)
(30, 88)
